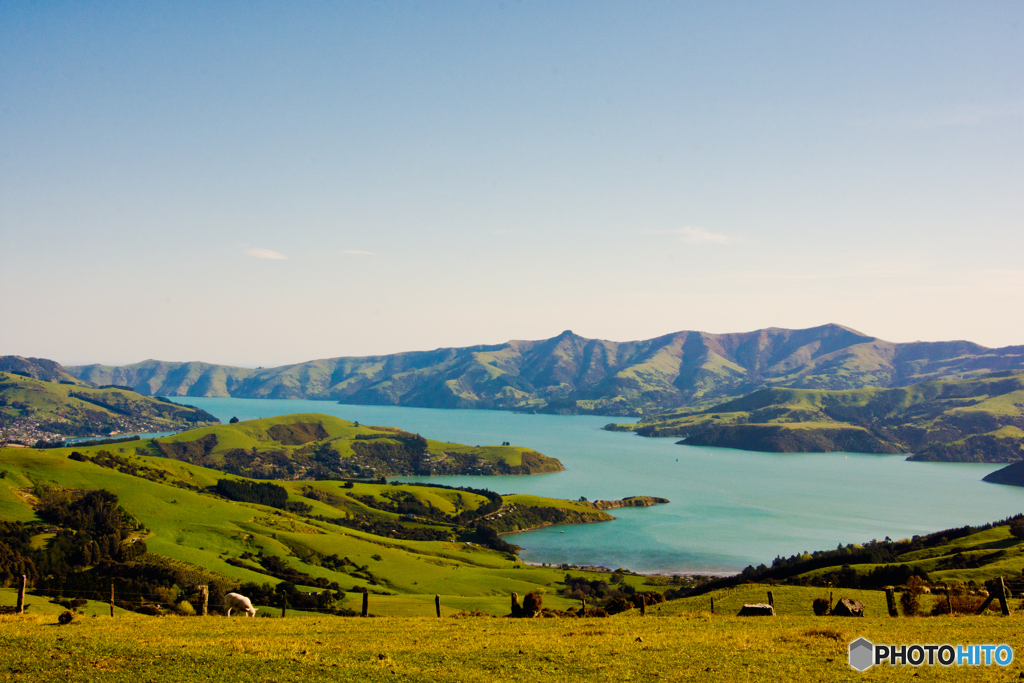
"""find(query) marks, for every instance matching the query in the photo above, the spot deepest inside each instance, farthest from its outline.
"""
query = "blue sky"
(268, 183)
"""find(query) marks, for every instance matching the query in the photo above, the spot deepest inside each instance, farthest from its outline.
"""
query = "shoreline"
(601, 568)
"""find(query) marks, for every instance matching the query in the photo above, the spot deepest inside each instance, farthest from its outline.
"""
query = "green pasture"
(205, 530)
(789, 600)
(692, 646)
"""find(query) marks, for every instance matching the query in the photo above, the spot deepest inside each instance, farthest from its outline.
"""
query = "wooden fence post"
(516, 609)
(437, 605)
(21, 594)
(830, 601)
(890, 601)
(1001, 589)
(284, 605)
(712, 605)
(366, 603)
(771, 599)
(949, 602)
(111, 598)
(204, 599)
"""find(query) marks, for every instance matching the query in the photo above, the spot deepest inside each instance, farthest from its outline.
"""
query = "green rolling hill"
(969, 420)
(572, 374)
(39, 409)
(314, 446)
(176, 524)
(165, 526)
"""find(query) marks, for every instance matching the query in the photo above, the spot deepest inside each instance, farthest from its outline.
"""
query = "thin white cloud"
(263, 253)
(691, 234)
(356, 252)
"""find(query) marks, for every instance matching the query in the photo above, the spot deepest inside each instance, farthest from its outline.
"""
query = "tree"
(1017, 528)
(233, 420)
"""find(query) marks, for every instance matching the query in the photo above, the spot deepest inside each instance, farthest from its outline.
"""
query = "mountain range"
(570, 374)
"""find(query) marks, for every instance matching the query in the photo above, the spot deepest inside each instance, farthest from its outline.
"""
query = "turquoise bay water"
(728, 508)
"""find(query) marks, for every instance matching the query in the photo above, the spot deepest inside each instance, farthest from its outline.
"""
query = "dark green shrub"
(910, 604)
(532, 604)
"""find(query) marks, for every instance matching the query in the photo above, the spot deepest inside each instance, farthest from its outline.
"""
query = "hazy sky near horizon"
(268, 183)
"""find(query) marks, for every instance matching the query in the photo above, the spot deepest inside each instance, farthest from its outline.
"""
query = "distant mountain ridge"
(571, 374)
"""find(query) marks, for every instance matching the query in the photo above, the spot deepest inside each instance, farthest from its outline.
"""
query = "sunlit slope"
(572, 374)
(312, 445)
(973, 420)
(188, 523)
(73, 409)
(38, 368)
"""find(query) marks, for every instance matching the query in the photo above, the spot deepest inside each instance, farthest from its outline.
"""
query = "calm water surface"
(728, 508)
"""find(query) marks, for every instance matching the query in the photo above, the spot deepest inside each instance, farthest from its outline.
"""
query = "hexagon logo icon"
(862, 654)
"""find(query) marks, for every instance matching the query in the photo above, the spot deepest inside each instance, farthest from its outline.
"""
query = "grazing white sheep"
(240, 602)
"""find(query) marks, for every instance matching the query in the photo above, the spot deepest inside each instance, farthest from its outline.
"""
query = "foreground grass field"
(697, 646)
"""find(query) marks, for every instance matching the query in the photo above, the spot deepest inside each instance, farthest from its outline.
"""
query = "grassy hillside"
(973, 420)
(33, 409)
(309, 446)
(572, 374)
(963, 559)
(401, 543)
(38, 368)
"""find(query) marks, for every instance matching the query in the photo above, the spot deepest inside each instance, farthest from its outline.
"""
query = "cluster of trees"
(274, 566)
(580, 587)
(404, 503)
(108, 442)
(493, 504)
(265, 464)
(16, 557)
(389, 453)
(489, 538)
(251, 492)
(609, 599)
(879, 577)
(93, 536)
(325, 601)
(531, 517)
(121, 464)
